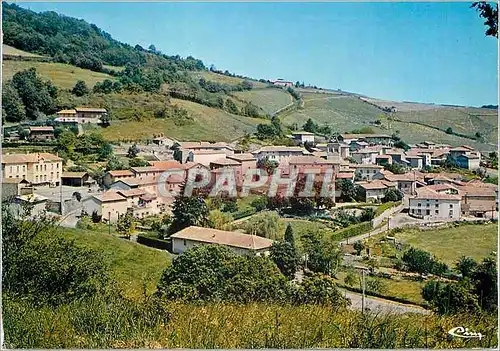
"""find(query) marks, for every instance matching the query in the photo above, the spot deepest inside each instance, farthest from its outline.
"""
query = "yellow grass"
(62, 75)
(223, 79)
(9, 50)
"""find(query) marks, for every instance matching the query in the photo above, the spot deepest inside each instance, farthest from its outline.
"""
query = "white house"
(303, 137)
(280, 154)
(431, 204)
(367, 172)
(241, 244)
(376, 189)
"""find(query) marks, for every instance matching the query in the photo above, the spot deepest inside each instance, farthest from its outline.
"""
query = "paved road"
(376, 304)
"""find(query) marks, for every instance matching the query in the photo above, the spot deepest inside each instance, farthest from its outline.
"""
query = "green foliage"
(400, 144)
(395, 168)
(36, 96)
(323, 255)
(375, 286)
(80, 88)
(392, 195)
(353, 230)
(41, 267)
(351, 279)
(421, 261)
(12, 104)
(312, 127)
(133, 151)
(363, 130)
(367, 215)
(220, 220)
(449, 130)
(294, 94)
(188, 211)
(450, 298)
(320, 289)
(289, 237)
(266, 224)
(485, 283)
(105, 151)
(358, 246)
(259, 203)
(215, 273)
(231, 107)
(125, 224)
(490, 13)
(347, 189)
(114, 164)
(466, 266)
(138, 162)
(268, 165)
(285, 257)
(67, 141)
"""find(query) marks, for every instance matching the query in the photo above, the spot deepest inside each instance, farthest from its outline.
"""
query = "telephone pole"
(363, 295)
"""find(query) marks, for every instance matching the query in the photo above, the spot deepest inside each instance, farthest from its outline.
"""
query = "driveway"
(376, 304)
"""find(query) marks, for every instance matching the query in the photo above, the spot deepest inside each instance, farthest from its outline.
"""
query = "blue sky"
(427, 52)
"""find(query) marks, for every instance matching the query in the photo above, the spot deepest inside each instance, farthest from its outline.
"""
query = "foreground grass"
(62, 75)
(448, 244)
(119, 323)
(134, 266)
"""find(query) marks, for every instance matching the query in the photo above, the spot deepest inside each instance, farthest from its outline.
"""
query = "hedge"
(244, 213)
(385, 206)
(153, 242)
(353, 230)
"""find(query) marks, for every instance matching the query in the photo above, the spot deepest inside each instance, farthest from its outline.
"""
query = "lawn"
(268, 99)
(448, 244)
(9, 50)
(133, 264)
(62, 75)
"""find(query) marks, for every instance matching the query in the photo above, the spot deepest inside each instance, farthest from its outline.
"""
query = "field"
(223, 79)
(133, 264)
(207, 124)
(9, 50)
(269, 99)
(448, 244)
(63, 76)
(345, 113)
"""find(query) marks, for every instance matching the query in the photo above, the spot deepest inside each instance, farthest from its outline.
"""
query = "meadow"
(223, 79)
(269, 100)
(10, 50)
(448, 244)
(62, 75)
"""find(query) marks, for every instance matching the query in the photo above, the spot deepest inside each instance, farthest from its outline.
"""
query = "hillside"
(270, 100)
(63, 76)
(11, 51)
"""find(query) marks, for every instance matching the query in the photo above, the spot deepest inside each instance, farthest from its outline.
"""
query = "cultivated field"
(62, 75)
(269, 99)
(448, 244)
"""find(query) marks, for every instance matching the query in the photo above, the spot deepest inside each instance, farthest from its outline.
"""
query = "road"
(376, 304)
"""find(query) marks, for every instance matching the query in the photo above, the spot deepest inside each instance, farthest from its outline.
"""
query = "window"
(451, 205)
(17, 167)
(185, 242)
(437, 206)
(428, 205)
(36, 168)
(44, 167)
(419, 204)
(419, 211)
(437, 211)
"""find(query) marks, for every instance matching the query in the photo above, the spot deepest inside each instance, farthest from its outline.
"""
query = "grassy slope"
(206, 124)
(476, 241)
(270, 100)
(10, 50)
(223, 79)
(132, 263)
(62, 75)
(347, 113)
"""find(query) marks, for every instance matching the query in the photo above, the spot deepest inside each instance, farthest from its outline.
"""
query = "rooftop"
(131, 192)
(376, 184)
(426, 193)
(73, 174)
(221, 237)
(283, 148)
(109, 196)
(29, 158)
(121, 173)
(225, 162)
(90, 109)
(41, 129)
(242, 157)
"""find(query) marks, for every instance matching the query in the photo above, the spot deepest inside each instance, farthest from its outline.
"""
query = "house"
(367, 171)
(460, 150)
(247, 161)
(415, 162)
(280, 154)
(81, 115)
(37, 204)
(203, 145)
(365, 156)
(75, 179)
(301, 164)
(113, 176)
(204, 157)
(383, 160)
(163, 141)
(369, 138)
(479, 199)
(357, 145)
(406, 183)
(225, 164)
(469, 160)
(241, 244)
(147, 171)
(375, 189)
(282, 83)
(37, 168)
(340, 148)
(110, 205)
(12, 187)
(41, 133)
(432, 204)
(303, 137)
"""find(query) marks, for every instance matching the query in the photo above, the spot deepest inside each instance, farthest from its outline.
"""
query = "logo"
(461, 332)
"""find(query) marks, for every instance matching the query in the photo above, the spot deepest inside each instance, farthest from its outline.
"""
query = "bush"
(154, 242)
(353, 230)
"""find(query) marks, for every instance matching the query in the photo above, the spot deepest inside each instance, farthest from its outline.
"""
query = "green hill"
(269, 100)
(12, 51)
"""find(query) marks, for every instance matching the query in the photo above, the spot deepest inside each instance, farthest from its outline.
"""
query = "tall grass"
(120, 323)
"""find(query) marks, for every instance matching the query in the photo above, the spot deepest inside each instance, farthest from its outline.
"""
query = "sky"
(421, 52)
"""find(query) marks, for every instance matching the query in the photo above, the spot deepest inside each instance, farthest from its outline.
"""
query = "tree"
(392, 195)
(286, 258)
(466, 266)
(323, 256)
(12, 104)
(138, 162)
(133, 151)
(114, 164)
(358, 246)
(449, 130)
(266, 224)
(96, 218)
(347, 190)
(367, 215)
(451, 298)
(395, 168)
(421, 261)
(37, 96)
(289, 237)
(125, 224)
(490, 13)
(320, 289)
(188, 211)
(485, 283)
(351, 279)
(268, 165)
(220, 220)
(105, 151)
(80, 88)
(215, 273)
(67, 141)
(310, 126)
(77, 196)
(231, 107)
(402, 145)
(259, 203)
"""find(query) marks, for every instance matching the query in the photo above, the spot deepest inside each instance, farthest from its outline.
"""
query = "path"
(376, 304)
